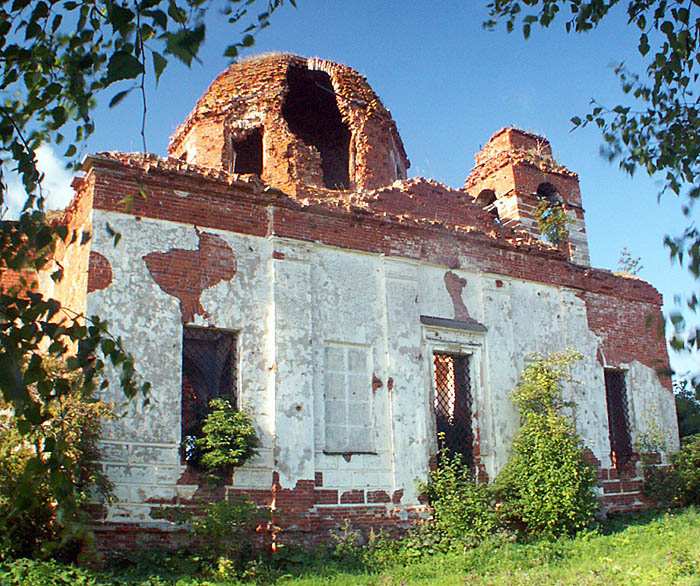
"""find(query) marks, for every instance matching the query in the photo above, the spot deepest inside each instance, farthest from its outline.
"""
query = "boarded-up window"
(618, 417)
(453, 409)
(348, 400)
(208, 372)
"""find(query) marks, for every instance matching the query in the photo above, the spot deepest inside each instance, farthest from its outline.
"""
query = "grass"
(654, 548)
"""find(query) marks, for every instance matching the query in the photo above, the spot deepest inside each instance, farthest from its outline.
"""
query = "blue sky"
(449, 85)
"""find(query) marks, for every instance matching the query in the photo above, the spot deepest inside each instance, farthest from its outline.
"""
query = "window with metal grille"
(618, 417)
(453, 409)
(348, 400)
(208, 372)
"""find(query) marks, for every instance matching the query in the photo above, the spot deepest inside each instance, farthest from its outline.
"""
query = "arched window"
(487, 201)
(551, 216)
(547, 192)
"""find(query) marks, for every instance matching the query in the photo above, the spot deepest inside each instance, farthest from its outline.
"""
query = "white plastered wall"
(286, 308)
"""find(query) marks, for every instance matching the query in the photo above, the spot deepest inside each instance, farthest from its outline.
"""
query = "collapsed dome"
(297, 123)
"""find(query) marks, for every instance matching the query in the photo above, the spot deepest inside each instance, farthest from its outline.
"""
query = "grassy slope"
(652, 549)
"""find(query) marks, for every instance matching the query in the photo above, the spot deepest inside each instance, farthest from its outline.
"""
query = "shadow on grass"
(618, 522)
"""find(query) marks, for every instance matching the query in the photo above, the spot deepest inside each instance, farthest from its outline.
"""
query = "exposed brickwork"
(18, 281)
(251, 94)
(352, 496)
(512, 166)
(185, 274)
(100, 272)
(629, 330)
(68, 258)
(244, 208)
(455, 285)
(378, 496)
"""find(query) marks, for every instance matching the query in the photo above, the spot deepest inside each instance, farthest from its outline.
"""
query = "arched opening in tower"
(312, 113)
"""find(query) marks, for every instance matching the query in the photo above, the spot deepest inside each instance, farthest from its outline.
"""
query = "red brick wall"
(630, 330)
(99, 272)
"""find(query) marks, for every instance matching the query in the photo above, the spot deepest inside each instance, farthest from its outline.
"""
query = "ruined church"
(281, 257)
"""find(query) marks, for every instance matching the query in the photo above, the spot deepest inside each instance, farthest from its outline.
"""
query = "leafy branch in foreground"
(56, 58)
(658, 129)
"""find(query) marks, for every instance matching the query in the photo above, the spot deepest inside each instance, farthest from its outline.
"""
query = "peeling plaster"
(185, 274)
(455, 285)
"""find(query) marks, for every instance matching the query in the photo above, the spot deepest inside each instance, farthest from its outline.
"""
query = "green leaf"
(120, 18)
(118, 97)
(185, 43)
(123, 65)
(159, 64)
(643, 44)
(159, 18)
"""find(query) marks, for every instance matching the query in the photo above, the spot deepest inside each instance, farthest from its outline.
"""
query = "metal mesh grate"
(618, 418)
(453, 400)
(208, 372)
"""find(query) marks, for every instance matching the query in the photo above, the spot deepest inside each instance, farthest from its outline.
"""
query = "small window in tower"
(547, 192)
(208, 372)
(618, 417)
(487, 201)
(246, 153)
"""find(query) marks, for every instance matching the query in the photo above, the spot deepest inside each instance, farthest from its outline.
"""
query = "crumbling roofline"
(580, 277)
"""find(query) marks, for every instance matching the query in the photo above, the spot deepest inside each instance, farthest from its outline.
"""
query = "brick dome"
(295, 122)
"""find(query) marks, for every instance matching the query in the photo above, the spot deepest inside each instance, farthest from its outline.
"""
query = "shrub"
(228, 438)
(221, 533)
(463, 509)
(224, 529)
(43, 513)
(678, 485)
(25, 572)
(552, 222)
(546, 488)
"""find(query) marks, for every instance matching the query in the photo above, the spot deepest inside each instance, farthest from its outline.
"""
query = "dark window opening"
(618, 418)
(487, 201)
(547, 192)
(247, 153)
(311, 111)
(208, 372)
(453, 409)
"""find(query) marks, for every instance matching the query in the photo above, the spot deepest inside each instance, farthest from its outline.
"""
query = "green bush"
(463, 510)
(678, 485)
(547, 487)
(25, 572)
(42, 513)
(225, 528)
(26, 524)
(553, 222)
(222, 534)
(228, 438)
